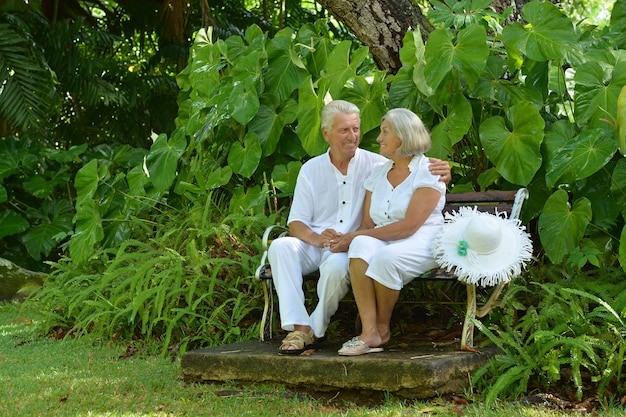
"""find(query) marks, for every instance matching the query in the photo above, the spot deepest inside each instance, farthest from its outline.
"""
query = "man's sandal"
(298, 341)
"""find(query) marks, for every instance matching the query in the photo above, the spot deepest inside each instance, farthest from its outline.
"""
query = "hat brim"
(490, 269)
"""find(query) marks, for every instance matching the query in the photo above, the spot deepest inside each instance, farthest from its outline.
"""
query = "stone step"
(419, 371)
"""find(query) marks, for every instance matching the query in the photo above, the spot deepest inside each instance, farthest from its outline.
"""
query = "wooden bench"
(509, 202)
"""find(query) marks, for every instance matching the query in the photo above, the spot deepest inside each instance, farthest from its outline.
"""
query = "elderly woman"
(402, 215)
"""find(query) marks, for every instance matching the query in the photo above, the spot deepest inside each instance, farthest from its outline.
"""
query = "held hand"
(441, 168)
(327, 237)
(342, 243)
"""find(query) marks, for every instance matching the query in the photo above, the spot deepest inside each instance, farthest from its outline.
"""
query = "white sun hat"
(483, 249)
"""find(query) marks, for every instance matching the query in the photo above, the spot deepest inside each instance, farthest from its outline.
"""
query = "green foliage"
(507, 104)
(66, 85)
(34, 183)
(566, 334)
(40, 217)
(530, 103)
(190, 284)
(27, 85)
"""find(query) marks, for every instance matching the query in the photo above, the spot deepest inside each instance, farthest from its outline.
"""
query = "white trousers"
(394, 264)
(290, 258)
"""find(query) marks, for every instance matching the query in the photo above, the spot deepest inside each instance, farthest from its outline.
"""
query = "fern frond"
(515, 378)
(597, 300)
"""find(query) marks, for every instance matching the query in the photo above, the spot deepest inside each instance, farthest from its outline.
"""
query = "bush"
(559, 331)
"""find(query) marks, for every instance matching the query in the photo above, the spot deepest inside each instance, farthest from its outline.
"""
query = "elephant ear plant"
(524, 104)
(527, 104)
(534, 104)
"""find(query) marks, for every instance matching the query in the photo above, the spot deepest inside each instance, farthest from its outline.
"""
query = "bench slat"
(477, 197)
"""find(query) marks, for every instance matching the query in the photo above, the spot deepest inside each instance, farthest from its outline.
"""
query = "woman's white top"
(389, 204)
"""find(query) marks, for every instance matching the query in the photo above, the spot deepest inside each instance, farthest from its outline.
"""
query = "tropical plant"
(566, 332)
(510, 106)
(27, 82)
(515, 105)
(187, 285)
(66, 86)
(75, 73)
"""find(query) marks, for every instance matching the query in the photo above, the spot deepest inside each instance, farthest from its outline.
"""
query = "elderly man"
(327, 203)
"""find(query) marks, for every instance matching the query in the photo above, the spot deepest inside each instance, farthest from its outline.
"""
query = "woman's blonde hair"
(410, 130)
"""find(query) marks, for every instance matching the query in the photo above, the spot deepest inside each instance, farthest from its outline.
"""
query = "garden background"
(146, 145)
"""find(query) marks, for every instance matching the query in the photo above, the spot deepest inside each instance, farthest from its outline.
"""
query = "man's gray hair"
(335, 107)
(410, 130)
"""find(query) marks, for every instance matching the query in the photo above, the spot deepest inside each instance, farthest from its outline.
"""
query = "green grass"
(90, 377)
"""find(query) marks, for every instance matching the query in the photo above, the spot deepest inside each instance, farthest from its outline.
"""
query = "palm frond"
(26, 83)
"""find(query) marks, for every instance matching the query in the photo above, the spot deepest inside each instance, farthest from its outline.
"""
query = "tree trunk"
(380, 25)
(13, 278)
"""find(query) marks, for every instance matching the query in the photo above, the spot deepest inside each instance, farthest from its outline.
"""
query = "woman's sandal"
(298, 340)
(356, 347)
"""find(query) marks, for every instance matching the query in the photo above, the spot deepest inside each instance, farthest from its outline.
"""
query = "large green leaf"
(596, 188)
(597, 92)
(451, 129)
(516, 154)
(315, 47)
(548, 35)
(53, 228)
(17, 153)
(285, 69)
(618, 23)
(244, 102)
(561, 227)
(341, 66)
(557, 136)
(244, 159)
(219, 177)
(3, 194)
(621, 121)
(489, 81)
(622, 249)
(461, 13)
(402, 91)
(618, 185)
(247, 84)
(618, 16)
(578, 157)
(284, 176)
(466, 55)
(271, 119)
(42, 186)
(493, 86)
(88, 231)
(11, 223)
(87, 180)
(137, 180)
(308, 130)
(415, 46)
(163, 159)
(72, 154)
(369, 95)
(250, 199)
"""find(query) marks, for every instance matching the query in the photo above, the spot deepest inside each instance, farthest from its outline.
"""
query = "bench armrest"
(270, 232)
(520, 197)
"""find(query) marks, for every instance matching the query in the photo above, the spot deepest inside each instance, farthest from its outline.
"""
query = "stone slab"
(420, 371)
